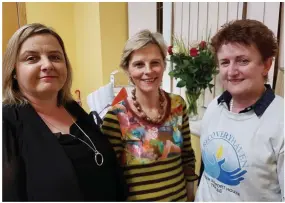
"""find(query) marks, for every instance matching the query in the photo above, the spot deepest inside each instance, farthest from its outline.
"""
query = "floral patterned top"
(157, 159)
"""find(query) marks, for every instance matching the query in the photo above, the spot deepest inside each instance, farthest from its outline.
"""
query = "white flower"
(194, 44)
(175, 49)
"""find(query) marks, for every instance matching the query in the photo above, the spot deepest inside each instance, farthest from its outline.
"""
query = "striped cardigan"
(158, 160)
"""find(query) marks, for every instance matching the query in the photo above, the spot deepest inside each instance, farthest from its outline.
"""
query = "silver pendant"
(98, 157)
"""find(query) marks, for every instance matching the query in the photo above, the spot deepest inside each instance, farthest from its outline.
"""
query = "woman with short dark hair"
(242, 132)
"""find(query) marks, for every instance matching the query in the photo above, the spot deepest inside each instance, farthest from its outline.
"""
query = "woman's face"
(146, 67)
(242, 70)
(41, 67)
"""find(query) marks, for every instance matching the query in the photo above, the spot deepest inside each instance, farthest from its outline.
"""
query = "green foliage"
(194, 72)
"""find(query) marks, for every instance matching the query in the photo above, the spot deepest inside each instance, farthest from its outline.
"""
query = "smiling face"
(41, 67)
(242, 70)
(146, 67)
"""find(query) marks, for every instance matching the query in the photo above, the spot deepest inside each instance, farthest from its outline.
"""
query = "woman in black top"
(52, 149)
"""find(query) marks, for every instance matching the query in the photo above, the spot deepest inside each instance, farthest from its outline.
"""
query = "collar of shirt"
(259, 107)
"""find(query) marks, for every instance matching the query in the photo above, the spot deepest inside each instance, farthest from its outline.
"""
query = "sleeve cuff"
(192, 178)
(190, 174)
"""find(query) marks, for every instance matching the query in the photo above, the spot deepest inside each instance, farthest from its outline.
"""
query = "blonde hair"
(11, 92)
(140, 40)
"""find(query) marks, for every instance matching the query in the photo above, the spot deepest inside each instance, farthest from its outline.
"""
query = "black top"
(82, 158)
(38, 166)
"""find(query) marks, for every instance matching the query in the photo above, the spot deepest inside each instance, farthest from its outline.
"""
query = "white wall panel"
(213, 18)
(167, 34)
(212, 29)
(167, 22)
(141, 16)
(255, 10)
(178, 13)
(178, 19)
(203, 20)
(240, 8)
(193, 22)
(232, 11)
(223, 14)
(270, 19)
(185, 22)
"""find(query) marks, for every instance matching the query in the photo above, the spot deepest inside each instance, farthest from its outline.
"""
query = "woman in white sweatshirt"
(242, 135)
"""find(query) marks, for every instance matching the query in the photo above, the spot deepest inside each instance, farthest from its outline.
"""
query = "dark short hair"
(247, 32)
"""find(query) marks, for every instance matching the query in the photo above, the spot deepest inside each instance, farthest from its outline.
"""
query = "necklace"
(98, 157)
(143, 114)
(232, 100)
(231, 104)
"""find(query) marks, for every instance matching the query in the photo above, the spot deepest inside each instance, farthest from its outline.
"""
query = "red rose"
(170, 50)
(202, 45)
(193, 52)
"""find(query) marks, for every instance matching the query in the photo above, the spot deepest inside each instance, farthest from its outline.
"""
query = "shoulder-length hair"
(11, 92)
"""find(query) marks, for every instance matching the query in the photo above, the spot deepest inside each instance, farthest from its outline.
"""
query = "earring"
(15, 77)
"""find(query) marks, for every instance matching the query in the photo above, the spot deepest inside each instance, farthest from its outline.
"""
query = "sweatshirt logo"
(224, 159)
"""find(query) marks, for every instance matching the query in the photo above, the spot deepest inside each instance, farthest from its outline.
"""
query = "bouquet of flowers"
(194, 66)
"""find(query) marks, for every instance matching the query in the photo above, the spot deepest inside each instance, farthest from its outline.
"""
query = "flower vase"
(192, 100)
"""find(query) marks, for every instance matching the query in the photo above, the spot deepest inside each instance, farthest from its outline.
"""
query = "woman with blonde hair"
(52, 149)
(150, 129)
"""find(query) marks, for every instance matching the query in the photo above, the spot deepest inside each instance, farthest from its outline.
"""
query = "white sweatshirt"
(243, 154)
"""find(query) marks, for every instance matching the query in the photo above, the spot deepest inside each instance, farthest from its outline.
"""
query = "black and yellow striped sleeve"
(188, 156)
(158, 181)
(111, 128)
